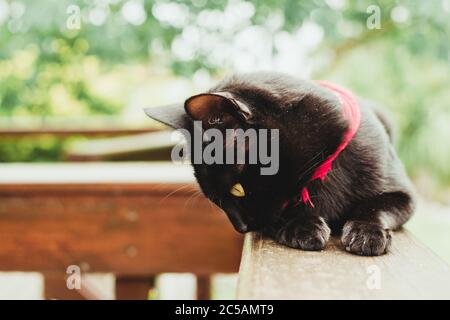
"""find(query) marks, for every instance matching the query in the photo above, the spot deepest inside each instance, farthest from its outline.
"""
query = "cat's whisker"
(173, 192)
(187, 201)
(212, 204)
(309, 161)
(192, 196)
(307, 171)
(314, 157)
(197, 195)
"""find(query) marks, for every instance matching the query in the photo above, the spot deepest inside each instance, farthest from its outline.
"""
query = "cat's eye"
(237, 190)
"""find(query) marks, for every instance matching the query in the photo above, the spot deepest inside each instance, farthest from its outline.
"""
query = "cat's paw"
(366, 239)
(306, 235)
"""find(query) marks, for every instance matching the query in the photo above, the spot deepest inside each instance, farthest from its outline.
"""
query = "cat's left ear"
(217, 108)
(172, 115)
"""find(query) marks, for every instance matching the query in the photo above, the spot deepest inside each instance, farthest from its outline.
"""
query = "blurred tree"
(48, 64)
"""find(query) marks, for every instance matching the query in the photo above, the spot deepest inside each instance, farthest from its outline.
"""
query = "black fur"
(366, 195)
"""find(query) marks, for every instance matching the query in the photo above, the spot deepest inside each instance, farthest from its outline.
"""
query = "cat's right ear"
(217, 109)
(172, 115)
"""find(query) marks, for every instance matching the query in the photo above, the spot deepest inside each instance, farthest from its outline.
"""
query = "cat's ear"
(172, 115)
(217, 108)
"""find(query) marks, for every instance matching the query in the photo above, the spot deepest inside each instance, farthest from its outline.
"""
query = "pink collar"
(350, 109)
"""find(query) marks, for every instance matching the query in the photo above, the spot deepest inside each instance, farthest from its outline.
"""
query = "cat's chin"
(242, 228)
(247, 228)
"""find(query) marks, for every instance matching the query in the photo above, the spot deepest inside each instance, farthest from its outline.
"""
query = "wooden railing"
(91, 126)
(110, 138)
(408, 271)
(135, 220)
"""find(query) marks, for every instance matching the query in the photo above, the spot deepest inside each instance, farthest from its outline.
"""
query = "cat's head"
(309, 127)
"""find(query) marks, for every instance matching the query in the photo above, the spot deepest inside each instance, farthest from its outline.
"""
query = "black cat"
(366, 194)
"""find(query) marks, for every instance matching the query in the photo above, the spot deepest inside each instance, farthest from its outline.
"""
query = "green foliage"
(32, 150)
(48, 70)
(416, 91)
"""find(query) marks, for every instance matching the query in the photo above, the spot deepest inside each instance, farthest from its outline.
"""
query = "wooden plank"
(115, 147)
(94, 173)
(133, 288)
(203, 287)
(55, 288)
(19, 127)
(61, 132)
(133, 223)
(409, 271)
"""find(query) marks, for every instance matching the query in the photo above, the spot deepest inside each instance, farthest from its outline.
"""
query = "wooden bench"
(409, 271)
(135, 220)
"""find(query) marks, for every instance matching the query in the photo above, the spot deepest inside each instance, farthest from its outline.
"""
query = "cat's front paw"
(366, 239)
(306, 235)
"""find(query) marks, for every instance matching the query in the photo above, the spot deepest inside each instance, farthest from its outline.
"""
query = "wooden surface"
(88, 174)
(150, 146)
(409, 271)
(134, 288)
(61, 132)
(19, 127)
(128, 219)
(203, 287)
(55, 288)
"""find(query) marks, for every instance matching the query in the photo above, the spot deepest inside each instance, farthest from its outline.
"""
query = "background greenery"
(127, 54)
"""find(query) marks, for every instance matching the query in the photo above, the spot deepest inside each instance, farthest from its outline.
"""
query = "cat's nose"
(236, 219)
(238, 223)
(242, 228)
(247, 226)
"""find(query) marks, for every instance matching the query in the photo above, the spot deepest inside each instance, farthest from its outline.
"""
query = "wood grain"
(132, 219)
(410, 271)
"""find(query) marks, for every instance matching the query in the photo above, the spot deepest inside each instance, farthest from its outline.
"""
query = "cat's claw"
(305, 235)
(366, 239)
